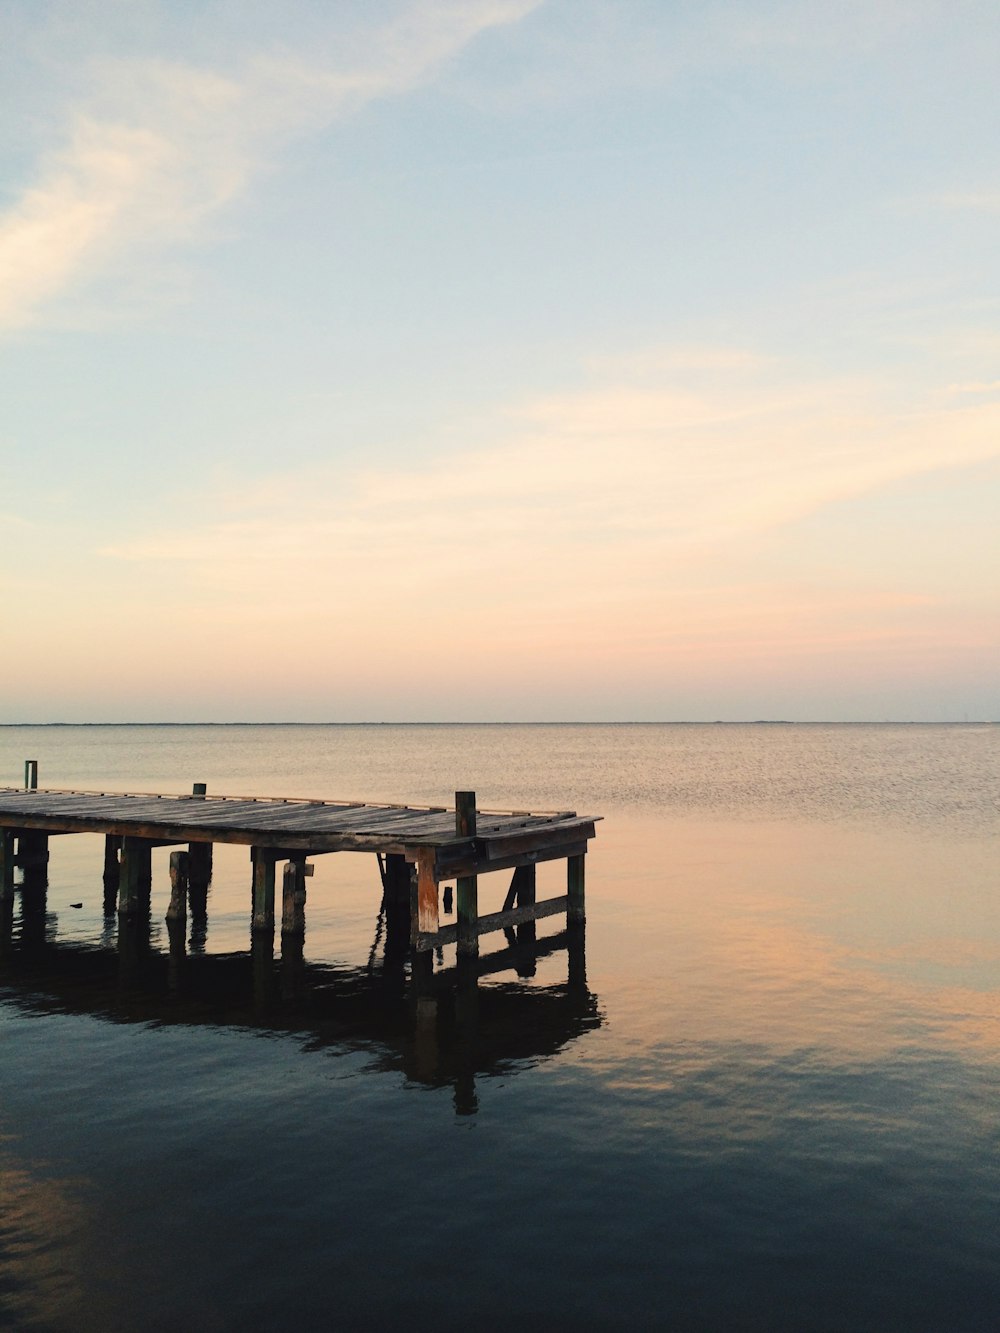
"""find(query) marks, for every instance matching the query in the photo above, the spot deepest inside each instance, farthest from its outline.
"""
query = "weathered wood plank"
(299, 826)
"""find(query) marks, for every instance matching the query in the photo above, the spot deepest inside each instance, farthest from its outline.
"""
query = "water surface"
(765, 1097)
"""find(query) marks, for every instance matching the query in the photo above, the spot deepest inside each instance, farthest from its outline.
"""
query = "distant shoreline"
(718, 722)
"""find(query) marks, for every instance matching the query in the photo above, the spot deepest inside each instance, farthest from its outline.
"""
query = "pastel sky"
(499, 359)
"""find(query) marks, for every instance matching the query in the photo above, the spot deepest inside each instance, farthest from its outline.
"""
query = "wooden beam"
(537, 857)
(495, 921)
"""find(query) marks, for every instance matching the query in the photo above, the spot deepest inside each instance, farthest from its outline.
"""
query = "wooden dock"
(419, 850)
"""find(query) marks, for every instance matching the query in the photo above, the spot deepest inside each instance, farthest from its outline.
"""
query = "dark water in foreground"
(763, 1094)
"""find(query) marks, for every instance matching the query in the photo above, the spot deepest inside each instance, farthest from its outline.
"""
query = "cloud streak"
(616, 496)
(164, 146)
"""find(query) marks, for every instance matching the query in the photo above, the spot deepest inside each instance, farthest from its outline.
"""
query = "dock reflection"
(437, 1027)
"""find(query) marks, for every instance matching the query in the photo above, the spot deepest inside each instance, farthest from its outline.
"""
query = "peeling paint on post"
(425, 918)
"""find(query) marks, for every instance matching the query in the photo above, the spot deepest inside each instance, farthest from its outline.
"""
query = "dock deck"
(419, 848)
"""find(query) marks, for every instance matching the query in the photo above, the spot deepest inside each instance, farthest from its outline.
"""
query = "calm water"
(771, 1102)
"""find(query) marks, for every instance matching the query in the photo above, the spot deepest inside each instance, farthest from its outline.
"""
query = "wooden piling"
(112, 848)
(293, 898)
(31, 775)
(396, 900)
(32, 849)
(524, 888)
(263, 889)
(467, 887)
(112, 872)
(199, 854)
(200, 861)
(6, 863)
(424, 913)
(135, 874)
(575, 910)
(179, 879)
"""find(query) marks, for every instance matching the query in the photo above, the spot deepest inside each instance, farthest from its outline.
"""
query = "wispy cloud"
(975, 387)
(614, 495)
(966, 201)
(164, 146)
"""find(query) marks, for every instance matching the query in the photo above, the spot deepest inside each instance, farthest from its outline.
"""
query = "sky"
(502, 360)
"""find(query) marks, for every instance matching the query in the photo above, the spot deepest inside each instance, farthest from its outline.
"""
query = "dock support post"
(199, 863)
(6, 863)
(396, 896)
(31, 775)
(32, 849)
(575, 888)
(199, 877)
(263, 889)
(424, 910)
(112, 872)
(293, 898)
(33, 858)
(524, 888)
(179, 865)
(134, 876)
(467, 887)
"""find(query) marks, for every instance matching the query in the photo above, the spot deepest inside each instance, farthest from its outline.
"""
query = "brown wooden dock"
(419, 848)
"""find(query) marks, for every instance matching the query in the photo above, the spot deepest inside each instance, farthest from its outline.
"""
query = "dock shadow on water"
(394, 1020)
(438, 1029)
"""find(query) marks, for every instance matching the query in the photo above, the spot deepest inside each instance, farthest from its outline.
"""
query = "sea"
(761, 1093)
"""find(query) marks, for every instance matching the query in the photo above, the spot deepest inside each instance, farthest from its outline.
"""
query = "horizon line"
(622, 722)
